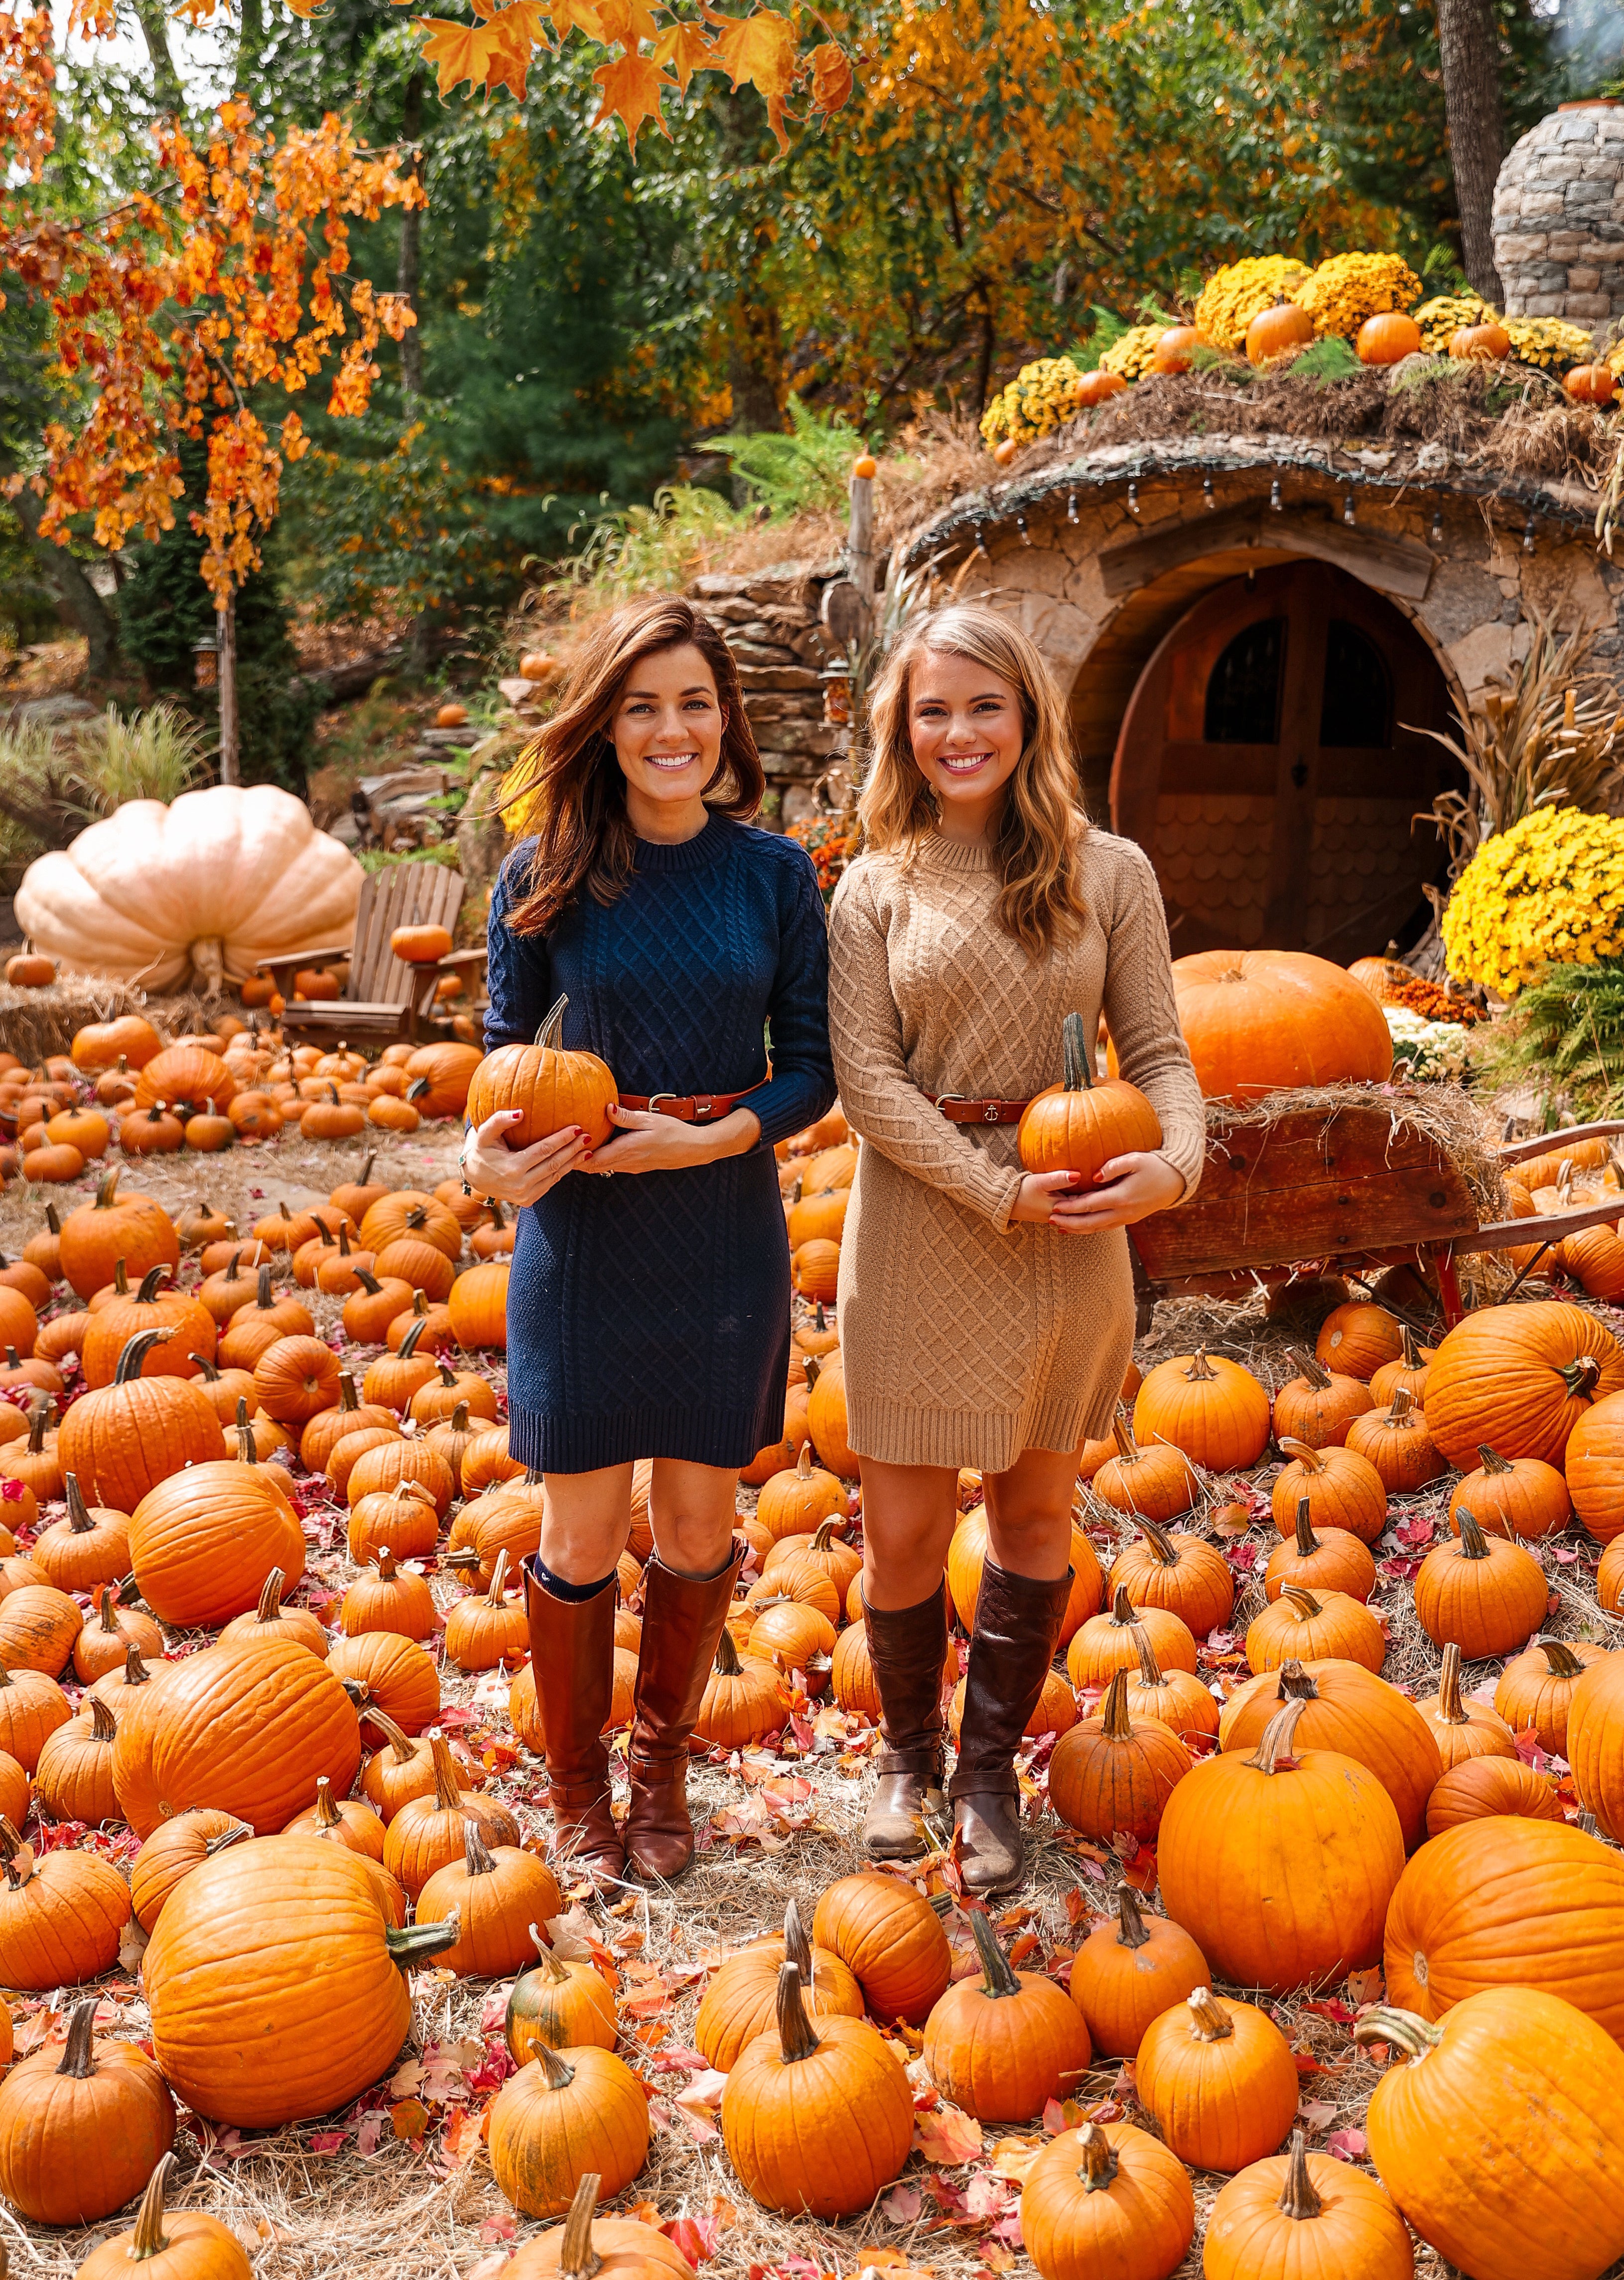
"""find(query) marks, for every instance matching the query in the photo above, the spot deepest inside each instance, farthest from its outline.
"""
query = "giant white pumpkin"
(208, 886)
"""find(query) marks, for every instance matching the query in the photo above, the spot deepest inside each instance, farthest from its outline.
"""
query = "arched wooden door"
(1271, 763)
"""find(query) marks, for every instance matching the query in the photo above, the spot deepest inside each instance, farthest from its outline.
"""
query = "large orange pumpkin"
(1594, 1464)
(1349, 1709)
(203, 1542)
(1521, 1378)
(1212, 1409)
(1311, 1838)
(123, 1438)
(1596, 1742)
(1505, 1903)
(133, 1229)
(890, 1938)
(1256, 1021)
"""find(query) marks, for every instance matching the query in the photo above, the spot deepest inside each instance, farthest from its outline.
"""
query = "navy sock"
(563, 1589)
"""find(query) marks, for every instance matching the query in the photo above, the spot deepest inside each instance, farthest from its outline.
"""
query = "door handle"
(1299, 773)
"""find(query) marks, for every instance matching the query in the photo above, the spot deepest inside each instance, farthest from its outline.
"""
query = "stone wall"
(769, 619)
(1559, 217)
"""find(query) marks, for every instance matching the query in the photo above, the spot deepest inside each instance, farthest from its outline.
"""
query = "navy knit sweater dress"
(648, 1315)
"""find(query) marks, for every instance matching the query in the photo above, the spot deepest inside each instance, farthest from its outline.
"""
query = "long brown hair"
(1043, 825)
(584, 836)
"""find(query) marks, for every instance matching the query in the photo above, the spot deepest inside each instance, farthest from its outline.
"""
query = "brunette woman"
(648, 1302)
(986, 1315)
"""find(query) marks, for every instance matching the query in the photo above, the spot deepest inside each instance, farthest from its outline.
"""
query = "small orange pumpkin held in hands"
(1081, 1124)
(550, 1087)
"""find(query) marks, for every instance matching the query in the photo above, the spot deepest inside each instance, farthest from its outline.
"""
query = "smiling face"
(667, 732)
(966, 727)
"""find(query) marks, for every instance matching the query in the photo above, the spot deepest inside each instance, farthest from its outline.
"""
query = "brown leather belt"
(958, 1110)
(691, 1107)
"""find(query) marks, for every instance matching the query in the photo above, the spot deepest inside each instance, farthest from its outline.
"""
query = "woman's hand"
(647, 1141)
(1128, 1188)
(518, 1175)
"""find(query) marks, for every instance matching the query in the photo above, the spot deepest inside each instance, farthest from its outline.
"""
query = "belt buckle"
(942, 1099)
(655, 1099)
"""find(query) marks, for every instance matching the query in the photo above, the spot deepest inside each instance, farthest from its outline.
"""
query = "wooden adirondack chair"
(385, 1001)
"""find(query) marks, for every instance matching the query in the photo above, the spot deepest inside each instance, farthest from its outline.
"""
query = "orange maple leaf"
(458, 51)
(575, 14)
(632, 87)
(302, 7)
(831, 79)
(686, 48)
(760, 49)
(625, 21)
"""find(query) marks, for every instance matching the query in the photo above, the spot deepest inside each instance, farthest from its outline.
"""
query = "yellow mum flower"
(1549, 890)
(1131, 355)
(1350, 286)
(1040, 398)
(1442, 318)
(1232, 298)
(1549, 343)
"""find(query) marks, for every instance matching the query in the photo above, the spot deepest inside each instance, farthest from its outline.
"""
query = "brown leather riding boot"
(682, 1619)
(1017, 1629)
(907, 1647)
(571, 1658)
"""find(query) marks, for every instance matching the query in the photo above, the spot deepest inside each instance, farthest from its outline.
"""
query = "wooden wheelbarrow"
(1349, 1186)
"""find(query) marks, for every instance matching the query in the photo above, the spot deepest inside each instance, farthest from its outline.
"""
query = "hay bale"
(36, 1022)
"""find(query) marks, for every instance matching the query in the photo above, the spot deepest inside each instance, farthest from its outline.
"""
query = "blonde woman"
(986, 1315)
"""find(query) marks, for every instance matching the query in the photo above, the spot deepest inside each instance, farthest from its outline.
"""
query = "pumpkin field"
(1323, 1900)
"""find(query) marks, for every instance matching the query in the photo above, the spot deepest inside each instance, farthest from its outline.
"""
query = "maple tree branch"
(153, 18)
(68, 580)
(1054, 206)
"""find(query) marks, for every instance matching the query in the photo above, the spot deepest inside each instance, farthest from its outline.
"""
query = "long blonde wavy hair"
(1042, 824)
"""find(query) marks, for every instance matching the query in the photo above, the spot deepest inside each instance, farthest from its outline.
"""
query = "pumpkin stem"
(803, 1463)
(578, 2259)
(1400, 1409)
(234, 1835)
(134, 1352)
(327, 1814)
(263, 1299)
(39, 1414)
(1582, 1375)
(344, 1239)
(1451, 1710)
(247, 1452)
(1074, 1055)
(1307, 1606)
(1299, 2198)
(1200, 1368)
(1122, 1433)
(1113, 1710)
(813, 1367)
(1130, 1919)
(417, 1942)
(78, 2052)
(1587, 1824)
(497, 1593)
(1150, 1669)
(103, 1725)
(1296, 1683)
(211, 1375)
(1312, 1371)
(1099, 2161)
(1277, 1743)
(106, 1606)
(1414, 2036)
(797, 1947)
(148, 2239)
(1160, 1543)
(78, 1521)
(385, 1564)
(1491, 1460)
(475, 1853)
(823, 1535)
(348, 1398)
(460, 1418)
(1561, 1660)
(1209, 2020)
(408, 1345)
(120, 1280)
(369, 1281)
(1313, 1461)
(1122, 1609)
(728, 1664)
(556, 2072)
(393, 1735)
(136, 1671)
(997, 1975)
(270, 1597)
(1474, 1543)
(107, 1191)
(1307, 1542)
(448, 1376)
(547, 1962)
(448, 1789)
(796, 2036)
(147, 1296)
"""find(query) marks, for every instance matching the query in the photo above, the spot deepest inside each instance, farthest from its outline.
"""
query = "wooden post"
(226, 636)
(860, 543)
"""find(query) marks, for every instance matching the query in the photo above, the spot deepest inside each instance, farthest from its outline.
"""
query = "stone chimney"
(1559, 217)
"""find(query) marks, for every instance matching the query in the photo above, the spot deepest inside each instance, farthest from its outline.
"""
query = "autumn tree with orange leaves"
(207, 306)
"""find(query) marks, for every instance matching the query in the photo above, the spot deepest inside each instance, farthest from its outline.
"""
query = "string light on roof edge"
(1347, 514)
(1020, 525)
(1275, 502)
(1527, 535)
(1437, 527)
(1208, 498)
(1072, 514)
(1133, 499)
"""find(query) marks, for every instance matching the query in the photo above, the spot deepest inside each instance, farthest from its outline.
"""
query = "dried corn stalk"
(1552, 735)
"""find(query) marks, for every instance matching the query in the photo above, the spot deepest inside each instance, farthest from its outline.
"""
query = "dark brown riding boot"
(1017, 1629)
(682, 1619)
(572, 1658)
(907, 1647)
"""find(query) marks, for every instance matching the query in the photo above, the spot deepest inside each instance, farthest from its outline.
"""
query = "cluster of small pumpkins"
(122, 1085)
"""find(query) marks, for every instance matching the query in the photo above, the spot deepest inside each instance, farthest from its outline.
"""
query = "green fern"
(1326, 360)
(1565, 1034)
(805, 471)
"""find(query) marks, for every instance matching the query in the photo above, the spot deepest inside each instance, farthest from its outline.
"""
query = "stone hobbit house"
(1257, 630)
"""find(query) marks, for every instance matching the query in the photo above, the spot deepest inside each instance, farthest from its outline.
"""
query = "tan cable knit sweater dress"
(966, 1339)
